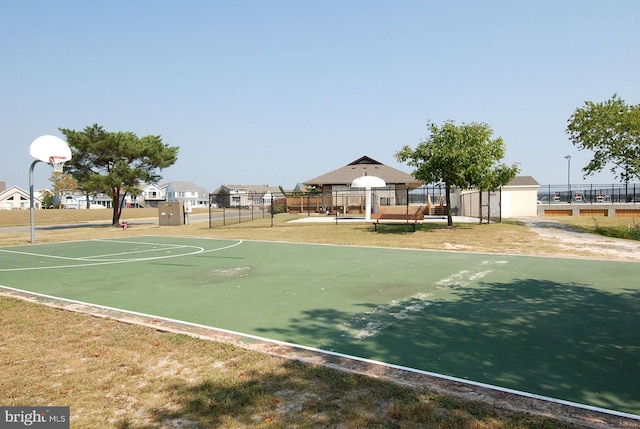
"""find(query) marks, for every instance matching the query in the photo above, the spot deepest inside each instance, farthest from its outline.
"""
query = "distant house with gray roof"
(248, 195)
(188, 193)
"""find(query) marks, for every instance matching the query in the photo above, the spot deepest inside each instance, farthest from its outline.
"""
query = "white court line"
(164, 247)
(95, 258)
(111, 261)
(383, 316)
(351, 357)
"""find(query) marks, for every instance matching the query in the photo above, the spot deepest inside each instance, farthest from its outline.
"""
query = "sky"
(278, 92)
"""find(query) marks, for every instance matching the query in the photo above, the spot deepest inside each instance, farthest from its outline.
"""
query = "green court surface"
(566, 329)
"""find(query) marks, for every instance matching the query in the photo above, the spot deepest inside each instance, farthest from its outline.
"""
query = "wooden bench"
(398, 215)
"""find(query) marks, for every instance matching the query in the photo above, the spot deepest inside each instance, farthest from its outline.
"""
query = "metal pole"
(31, 202)
(568, 158)
(210, 210)
(549, 193)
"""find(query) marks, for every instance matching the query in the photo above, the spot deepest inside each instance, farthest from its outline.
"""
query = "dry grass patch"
(116, 375)
(52, 217)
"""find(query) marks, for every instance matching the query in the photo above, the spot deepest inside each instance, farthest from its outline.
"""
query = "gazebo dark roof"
(364, 166)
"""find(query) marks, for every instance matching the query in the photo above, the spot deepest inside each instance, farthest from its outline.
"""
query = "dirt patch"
(571, 242)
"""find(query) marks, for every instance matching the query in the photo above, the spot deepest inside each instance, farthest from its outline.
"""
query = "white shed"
(520, 197)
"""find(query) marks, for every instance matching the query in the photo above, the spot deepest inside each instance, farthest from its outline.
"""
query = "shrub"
(629, 232)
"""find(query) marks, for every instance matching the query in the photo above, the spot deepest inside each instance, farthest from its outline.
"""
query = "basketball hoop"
(41, 149)
(57, 162)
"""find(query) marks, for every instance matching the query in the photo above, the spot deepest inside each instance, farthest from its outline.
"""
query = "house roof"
(12, 191)
(144, 186)
(15, 190)
(254, 189)
(360, 167)
(523, 181)
(183, 186)
(202, 192)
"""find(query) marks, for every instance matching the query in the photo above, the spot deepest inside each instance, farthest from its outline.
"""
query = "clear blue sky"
(278, 92)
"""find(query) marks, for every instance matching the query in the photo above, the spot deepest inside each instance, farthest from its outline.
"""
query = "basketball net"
(57, 162)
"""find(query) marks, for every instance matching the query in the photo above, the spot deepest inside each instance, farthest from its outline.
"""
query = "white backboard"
(45, 147)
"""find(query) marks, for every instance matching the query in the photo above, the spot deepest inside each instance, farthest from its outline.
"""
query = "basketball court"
(562, 329)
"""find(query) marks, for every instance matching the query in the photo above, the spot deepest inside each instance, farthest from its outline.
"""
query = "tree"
(463, 156)
(115, 163)
(62, 182)
(611, 130)
(46, 199)
(223, 198)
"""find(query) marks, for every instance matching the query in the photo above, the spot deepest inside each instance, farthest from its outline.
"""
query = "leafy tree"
(115, 163)
(47, 199)
(611, 130)
(62, 182)
(223, 199)
(463, 156)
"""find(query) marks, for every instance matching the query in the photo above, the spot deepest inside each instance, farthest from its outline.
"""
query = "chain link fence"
(227, 209)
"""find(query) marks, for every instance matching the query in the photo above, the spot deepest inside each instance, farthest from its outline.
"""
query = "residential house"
(151, 195)
(17, 198)
(78, 200)
(249, 196)
(203, 197)
(187, 193)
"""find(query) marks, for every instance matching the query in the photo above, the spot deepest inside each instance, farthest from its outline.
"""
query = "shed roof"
(523, 181)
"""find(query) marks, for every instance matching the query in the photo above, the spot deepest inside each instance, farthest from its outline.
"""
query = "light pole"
(568, 158)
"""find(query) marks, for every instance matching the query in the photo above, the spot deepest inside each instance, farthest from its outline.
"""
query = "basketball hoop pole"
(49, 149)
(31, 203)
